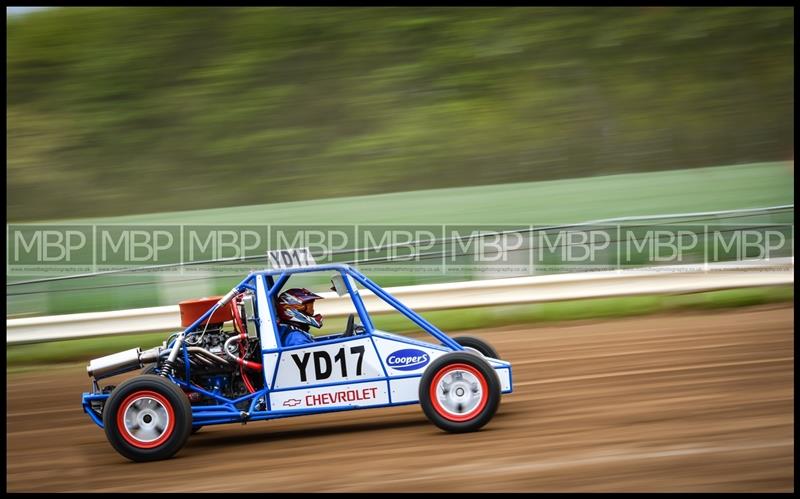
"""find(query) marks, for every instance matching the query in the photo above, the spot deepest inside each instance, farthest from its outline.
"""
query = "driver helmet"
(297, 305)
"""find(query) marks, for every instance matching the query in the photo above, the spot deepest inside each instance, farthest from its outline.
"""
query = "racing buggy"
(229, 366)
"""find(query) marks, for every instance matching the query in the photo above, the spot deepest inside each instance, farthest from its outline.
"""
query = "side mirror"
(338, 285)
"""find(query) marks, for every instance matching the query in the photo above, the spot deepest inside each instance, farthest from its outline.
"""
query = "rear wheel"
(459, 392)
(478, 345)
(147, 418)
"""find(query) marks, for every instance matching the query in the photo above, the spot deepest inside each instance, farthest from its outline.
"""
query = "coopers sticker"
(409, 359)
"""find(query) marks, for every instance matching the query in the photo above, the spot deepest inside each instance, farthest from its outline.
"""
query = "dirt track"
(696, 402)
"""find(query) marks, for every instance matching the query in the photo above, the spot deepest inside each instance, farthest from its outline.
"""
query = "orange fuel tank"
(191, 310)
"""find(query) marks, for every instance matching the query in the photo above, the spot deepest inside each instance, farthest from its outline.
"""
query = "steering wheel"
(350, 329)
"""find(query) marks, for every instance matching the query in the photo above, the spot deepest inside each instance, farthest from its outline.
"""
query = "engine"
(223, 351)
(222, 361)
(212, 340)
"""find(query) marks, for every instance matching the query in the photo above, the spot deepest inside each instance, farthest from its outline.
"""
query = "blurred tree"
(122, 110)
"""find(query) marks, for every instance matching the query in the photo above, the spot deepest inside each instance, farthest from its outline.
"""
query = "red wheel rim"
(145, 419)
(476, 380)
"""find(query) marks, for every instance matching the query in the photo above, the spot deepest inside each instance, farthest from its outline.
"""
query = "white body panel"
(505, 377)
(405, 390)
(302, 370)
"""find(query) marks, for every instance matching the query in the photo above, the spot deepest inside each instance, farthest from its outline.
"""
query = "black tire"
(478, 344)
(165, 402)
(480, 377)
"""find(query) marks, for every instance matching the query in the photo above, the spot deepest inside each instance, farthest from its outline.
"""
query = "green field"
(561, 201)
(556, 201)
(22, 357)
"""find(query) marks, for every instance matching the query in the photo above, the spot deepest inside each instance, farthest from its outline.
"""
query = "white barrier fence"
(651, 280)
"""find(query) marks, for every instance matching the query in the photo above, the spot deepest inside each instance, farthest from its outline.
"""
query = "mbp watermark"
(446, 249)
(747, 243)
(121, 246)
(675, 245)
(578, 247)
(204, 243)
(48, 248)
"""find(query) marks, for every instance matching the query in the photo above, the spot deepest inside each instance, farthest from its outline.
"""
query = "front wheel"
(147, 418)
(459, 392)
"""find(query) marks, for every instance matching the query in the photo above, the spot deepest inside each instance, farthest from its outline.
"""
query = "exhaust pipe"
(121, 362)
(117, 363)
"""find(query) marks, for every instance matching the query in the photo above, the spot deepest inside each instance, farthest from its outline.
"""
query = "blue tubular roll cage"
(274, 280)
(346, 270)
